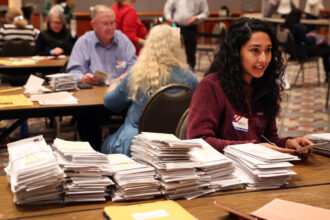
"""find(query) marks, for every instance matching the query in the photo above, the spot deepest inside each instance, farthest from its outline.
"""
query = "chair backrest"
(181, 129)
(16, 47)
(296, 51)
(163, 110)
(219, 29)
(283, 35)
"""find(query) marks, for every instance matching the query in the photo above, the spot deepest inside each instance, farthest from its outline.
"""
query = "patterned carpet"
(303, 107)
(303, 111)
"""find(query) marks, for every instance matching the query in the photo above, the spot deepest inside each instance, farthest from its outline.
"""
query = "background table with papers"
(310, 186)
(44, 65)
(90, 101)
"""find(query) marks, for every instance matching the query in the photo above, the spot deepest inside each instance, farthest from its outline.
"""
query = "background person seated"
(17, 28)
(56, 39)
(306, 41)
(28, 10)
(3, 11)
(162, 61)
(104, 49)
(66, 5)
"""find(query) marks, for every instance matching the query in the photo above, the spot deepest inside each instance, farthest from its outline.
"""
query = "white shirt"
(181, 10)
(284, 7)
(313, 7)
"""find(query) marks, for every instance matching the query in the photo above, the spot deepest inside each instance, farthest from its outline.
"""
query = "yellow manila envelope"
(7, 101)
(162, 210)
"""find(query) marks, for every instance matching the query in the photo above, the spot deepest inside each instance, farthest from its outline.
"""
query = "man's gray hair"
(99, 8)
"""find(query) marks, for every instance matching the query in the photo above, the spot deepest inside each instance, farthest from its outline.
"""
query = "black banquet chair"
(16, 48)
(181, 129)
(163, 110)
(296, 53)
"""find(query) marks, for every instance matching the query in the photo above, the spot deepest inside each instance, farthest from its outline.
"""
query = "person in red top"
(129, 23)
(239, 99)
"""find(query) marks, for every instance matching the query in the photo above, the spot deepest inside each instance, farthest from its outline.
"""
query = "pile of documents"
(170, 156)
(55, 98)
(34, 85)
(134, 181)
(62, 81)
(260, 167)
(33, 172)
(215, 169)
(321, 138)
(85, 180)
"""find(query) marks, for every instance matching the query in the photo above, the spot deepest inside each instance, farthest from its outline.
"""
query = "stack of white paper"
(34, 85)
(321, 138)
(215, 169)
(133, 180)
(62, 81)
(170, 156)
(33, 172)
(83, 168)
(260, 167)
(56, 98)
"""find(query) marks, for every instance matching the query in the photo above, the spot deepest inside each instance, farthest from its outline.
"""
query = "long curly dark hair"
(227, 64)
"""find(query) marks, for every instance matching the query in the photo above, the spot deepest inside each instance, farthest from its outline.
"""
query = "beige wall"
(14, 3)
(157, 5)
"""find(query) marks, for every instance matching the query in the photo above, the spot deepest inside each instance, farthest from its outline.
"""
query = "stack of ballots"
(215, 169)
(134, 181)
(85, 180)
(62, 82)
(321, 138)
(33, 172)
(170, 156)
(259, 166)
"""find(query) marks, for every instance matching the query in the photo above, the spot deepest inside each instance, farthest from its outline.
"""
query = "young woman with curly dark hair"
(239, 99)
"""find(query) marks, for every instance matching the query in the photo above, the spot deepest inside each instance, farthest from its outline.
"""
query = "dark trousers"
(89, 128)
(321, 51)
(189, 34)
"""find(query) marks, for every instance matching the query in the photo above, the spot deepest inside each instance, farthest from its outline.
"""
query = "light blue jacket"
(117, 101)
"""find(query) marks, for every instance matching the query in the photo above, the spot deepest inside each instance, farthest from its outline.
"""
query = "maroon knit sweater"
(211, 115)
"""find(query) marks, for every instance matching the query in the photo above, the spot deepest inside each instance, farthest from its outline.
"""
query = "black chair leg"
(328, 93)
(318, 72)
(298, 73)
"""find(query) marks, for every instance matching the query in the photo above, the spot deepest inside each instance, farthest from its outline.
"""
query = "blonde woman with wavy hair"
(162, 51)
(162, 61)
(15, 16)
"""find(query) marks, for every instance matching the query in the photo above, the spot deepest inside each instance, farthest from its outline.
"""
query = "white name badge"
(121, 64)
(240, 123)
